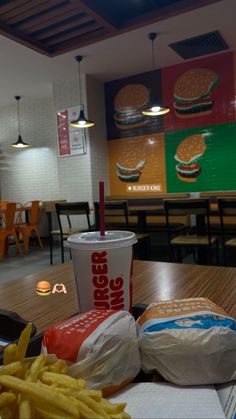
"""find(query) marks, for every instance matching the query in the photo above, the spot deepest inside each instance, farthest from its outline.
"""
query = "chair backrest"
(35, 209)
(187, 206)
(49, 206)
(113, 211)
(198, 207)
(9, 216)
(227, 208)
(72, 208)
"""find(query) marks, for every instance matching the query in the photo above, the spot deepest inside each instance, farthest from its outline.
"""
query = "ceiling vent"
(208, 43)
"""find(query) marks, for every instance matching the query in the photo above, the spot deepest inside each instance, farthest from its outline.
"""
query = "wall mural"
(125, 100)
(199, 92)
(200, 159)
(137, 165)
(190, 149)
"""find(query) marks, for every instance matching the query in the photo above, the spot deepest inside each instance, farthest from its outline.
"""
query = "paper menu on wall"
(161, 401)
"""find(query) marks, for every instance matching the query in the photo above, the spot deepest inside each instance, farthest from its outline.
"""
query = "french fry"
(23, 342)
(10, 353)
(87, 412)
(59, 366)
(94, 394)
(113, 407)
(6, 399)
(37, 392)
(11, 369)
(51, 414)
(35, 368)
(24, 409)
(62, 380)
(7, 413)
(96, 407)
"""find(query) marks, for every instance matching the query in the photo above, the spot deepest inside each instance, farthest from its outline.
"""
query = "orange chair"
(8, 229)
(32, 226)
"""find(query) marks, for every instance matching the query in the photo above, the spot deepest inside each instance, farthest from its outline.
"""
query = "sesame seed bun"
(130, 96)
(190, 148)
(192, 92)
(129, 103)
(194, 84)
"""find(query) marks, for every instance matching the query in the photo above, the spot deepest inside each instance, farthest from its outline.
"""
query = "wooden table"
(152, 281)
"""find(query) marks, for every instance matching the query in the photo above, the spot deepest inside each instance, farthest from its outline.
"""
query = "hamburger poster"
(201, 159)
(199, 92)
(137, 165)
(126, 98)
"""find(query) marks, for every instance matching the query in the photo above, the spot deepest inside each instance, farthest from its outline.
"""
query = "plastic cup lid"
(92, 240)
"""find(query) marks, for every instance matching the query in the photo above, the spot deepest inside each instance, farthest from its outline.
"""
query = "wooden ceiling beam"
(105, 23)
(80, 42)
(63, 27)
(55, 16)
(36, 7)
(73, 34)
(23, 39)
(13, 4)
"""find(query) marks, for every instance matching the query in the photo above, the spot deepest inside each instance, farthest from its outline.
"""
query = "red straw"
(101, 200)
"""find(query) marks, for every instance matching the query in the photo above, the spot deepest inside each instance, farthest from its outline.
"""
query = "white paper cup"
(103, 269)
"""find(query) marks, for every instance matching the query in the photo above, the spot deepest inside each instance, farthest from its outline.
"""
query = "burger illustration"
(193, 91)
(130, 174)
(129, 103)
(187, 154)
(43, 288)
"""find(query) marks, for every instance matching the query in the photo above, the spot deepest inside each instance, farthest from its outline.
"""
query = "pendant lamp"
(81, 121)
(155, 109)
(19, 143)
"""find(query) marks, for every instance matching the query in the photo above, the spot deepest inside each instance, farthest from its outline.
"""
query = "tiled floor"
(15, 266)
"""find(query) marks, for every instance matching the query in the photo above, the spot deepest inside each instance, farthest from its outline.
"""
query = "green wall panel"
(218, 163)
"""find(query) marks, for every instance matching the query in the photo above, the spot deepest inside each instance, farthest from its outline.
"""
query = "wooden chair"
(64, 212)
(8, 229)
(227, 208)
(50, 209)
(26, 230)
(201, 238)
(117, 218)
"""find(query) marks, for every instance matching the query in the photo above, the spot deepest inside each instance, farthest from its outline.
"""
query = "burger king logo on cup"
(43, 288)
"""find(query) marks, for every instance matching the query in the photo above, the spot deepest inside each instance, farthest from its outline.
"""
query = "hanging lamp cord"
(80, 95)
(18, 115)
(153, 61)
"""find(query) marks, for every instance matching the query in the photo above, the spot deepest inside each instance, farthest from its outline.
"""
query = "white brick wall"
(31, 173)
(98, 137)
(37, 172)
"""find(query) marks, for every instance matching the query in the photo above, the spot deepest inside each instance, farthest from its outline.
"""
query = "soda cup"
(103, 269)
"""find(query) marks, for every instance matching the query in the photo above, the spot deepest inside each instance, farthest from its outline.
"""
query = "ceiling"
(53, 27)
(26, 72)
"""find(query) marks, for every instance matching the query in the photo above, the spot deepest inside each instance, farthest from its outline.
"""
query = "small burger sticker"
(187, 154)
(193, 92)
(43, 288)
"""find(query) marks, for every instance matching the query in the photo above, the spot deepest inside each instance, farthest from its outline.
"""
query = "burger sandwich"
(130, 174)
(43, 288)
(129, 103)
(193, 92)
(187, 154)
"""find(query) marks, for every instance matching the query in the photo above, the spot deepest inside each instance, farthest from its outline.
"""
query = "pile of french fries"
(40, 389)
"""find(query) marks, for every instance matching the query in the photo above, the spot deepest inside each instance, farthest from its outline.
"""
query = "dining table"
(152, 281)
